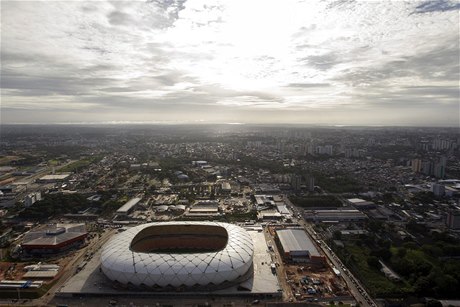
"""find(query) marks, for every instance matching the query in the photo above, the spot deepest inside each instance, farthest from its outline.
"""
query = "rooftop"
(128, 205)
(296, 240)
(54, 177)
(55, 235)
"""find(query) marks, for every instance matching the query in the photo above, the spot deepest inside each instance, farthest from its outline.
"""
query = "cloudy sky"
(247, 61)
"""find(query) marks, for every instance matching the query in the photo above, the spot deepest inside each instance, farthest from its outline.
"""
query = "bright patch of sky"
(331, 62)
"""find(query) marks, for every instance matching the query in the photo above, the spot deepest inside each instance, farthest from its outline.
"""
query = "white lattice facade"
(121, 263)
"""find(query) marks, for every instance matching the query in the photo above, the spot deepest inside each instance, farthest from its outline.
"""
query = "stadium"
(179, 255)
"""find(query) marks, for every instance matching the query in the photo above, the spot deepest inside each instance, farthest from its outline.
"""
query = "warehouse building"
(128, 206)
(297, 246)
(53, 178)
(337, 215)
(361, 204)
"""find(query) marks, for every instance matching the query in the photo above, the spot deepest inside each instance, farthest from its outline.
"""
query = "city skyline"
(312, 62)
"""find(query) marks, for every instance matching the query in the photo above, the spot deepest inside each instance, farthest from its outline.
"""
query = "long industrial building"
(298, 247)
(338, 215)
(128, 206)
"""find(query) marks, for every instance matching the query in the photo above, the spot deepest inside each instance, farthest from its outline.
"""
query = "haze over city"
(301, 62)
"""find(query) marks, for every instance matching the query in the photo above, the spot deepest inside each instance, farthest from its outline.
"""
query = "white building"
(179, 254)
(32, 198)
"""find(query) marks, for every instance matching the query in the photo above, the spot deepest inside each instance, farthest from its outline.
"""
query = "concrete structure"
(298, 247)
(40, 274)
(128, 206)
(226, 188)
(54, 240)
(296, 182)
(264, 202)
(438, 189)
(337, 215)
(283, 209)
(269, 215)
(179, 254)
(310, 183)
(161, 209)
(32, 198)
(20, 284)
(362, 204)
(416, 165)
(54, 178)
(199, 163)
(453, 220)
(353, 232)
(204, 208)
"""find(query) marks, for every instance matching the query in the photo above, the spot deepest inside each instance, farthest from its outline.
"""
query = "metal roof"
(40, 274)
(283, 209)
(55, 177)
(294, 240)
(128, 205)
(51, 237)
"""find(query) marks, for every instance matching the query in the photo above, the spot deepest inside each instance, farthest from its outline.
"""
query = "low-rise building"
(55, 239)
(128, 206)
(297, 246)
(453, 219)
(337, 215)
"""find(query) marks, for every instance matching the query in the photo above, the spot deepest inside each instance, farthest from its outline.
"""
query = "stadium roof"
(294, 240)
(121, 263)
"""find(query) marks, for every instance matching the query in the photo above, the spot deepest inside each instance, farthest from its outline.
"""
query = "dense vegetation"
(58, 204)
(316, 201)
(426, 269)
(338, 183)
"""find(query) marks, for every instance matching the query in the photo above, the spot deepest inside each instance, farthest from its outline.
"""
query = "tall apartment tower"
(416, 165)
(310, 183)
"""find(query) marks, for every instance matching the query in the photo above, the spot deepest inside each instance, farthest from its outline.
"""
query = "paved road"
(355, 287)
(280, 271)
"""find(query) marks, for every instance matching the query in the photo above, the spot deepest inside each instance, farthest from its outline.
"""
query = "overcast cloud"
(313, 62)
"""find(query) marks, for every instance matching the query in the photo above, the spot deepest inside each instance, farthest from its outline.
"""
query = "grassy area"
(5, 160)
(53, 162)
(80, 164)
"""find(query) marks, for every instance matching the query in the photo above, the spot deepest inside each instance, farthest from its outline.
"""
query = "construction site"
(303, 271)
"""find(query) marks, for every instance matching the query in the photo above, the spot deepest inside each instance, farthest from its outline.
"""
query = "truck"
(273, 267)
